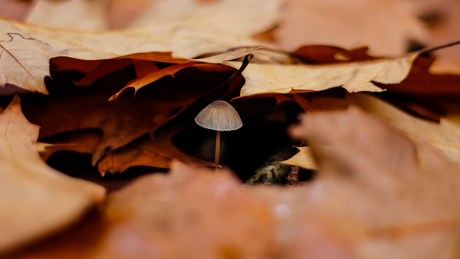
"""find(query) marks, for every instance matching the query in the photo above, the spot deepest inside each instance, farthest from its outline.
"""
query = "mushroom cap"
(219, 116)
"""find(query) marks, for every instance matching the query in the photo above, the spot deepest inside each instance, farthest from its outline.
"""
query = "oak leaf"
(26, 49)
(354, 77)
(443, 135)
(85, 141)
(334, 215)
(72, 108)
(401, 215)
(421, 83)
(158, 152)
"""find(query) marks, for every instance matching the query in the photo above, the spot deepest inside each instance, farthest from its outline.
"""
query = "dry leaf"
(232, 21)
(375, 189)
(85, 141)
(88, 15)
(203, 213)
(303, 159)
(147, 75)
(71, 108)
(19, 42)
(421, 83)
(154, 75)
(365, 203)
(444, 135)
(121, 129)
(143, 65)
(319, 54)
(36, 199)
(354, 77)
(207, 215)
(158, 152)
(428, 95)
(386, 26)
(26, 53)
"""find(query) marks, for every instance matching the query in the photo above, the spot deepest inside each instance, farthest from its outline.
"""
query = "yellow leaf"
(354, 77)
(303, 159)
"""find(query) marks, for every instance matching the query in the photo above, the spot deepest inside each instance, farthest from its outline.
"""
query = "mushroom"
(219, 116)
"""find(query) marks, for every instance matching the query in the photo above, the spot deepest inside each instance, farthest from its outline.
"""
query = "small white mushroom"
(219, 116)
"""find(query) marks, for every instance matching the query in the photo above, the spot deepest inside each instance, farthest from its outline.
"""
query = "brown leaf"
(99, 68)
(319, 54)
(26, 53)
(36, 199)
(384, 26)
(443, 135)
(372, 198)
(26, 49)
(158, 153)
(72, 108)
(354, 77)
(143, 80)
(145, 77)
(399, 195)
(145, 151)
(421, 83)
(207, 215)
(79, 141)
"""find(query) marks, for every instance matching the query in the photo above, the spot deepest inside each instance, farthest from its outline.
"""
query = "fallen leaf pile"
(365, 203)
(352, 104)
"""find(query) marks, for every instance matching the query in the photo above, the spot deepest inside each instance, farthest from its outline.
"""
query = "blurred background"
(387, 27)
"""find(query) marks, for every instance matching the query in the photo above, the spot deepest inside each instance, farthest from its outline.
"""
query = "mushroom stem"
(217, 154)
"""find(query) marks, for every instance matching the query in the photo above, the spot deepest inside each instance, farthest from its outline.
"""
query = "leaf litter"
(379, 192)
(198, 208)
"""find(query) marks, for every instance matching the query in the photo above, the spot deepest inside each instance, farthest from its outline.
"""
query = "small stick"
(293, 176)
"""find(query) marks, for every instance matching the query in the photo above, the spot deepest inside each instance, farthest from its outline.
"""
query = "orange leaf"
(152, 77)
